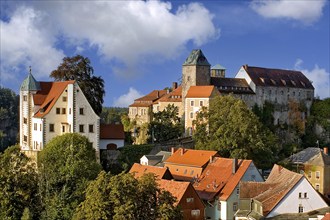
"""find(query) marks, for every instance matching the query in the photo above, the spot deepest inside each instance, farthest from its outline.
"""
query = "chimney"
(211, 159)
(235, 165)
(245, 66)
(325, 151)
(172, 150)
(182, 151)
(174, 85)
(157, 94)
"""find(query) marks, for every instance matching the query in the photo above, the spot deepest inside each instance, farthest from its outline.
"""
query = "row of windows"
(192, 103)
(35, 126)
(317, 174)
(301, 195)
(58, 111)
(81, 128)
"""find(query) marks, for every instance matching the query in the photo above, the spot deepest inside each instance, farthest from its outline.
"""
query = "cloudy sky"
(139, 46)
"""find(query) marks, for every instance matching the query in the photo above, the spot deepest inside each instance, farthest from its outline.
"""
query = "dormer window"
(262, 80)
(283, 82)
(293, 82)
(273, 81)
(303, 84)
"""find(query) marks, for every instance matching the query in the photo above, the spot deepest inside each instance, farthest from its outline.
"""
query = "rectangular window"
(309, 174)
(235, 206)
(81, 128)
(317, 174)
(317, 187)
(24, 98)
(191, 103)
(35, 125)
(195, 212)
(63, 129)
(191, 115)
(70, 111)
(305, 195)
(201, 103)
(25, 120)
(237, 191)
(81, 111)
(51, 128)
(25, 138)
(63, 111)
(189, 200)
(300, 209)
(40, 127)
(300, 195)
(58, 111)
(91, 128)
(64, 99)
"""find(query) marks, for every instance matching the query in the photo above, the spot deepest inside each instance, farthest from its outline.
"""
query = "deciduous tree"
(231, 128)
(79, 68)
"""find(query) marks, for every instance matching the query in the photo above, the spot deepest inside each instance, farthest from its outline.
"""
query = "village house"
(283, 192)
(218, 186)
(188, 164)
(314, 163)
(139, 170)
(253, 85)
(155, 160)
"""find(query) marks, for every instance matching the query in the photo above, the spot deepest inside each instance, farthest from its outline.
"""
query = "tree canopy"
(18, 184)
(232, 129)
(166, 125)
(79, 68)
(124, 197)
(66, 165)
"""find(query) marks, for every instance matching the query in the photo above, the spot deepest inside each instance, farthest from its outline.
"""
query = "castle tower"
(195, 72)
(29, 87)
(218, 71)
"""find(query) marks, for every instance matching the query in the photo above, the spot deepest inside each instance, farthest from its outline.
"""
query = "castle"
(253, 85)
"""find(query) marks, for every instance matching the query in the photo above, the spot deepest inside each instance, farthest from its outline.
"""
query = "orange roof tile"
(112, 131)
(200, 91)
(218, 178)
(138, 170)
(190, 157)
(277, 185)
(147, 100)
(176, 188)
(326, 216)
(174, 96)
(55, 90)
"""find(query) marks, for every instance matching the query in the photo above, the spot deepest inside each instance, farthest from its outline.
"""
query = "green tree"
(265, 114)
(124, 197)
(79, 68)
(166, 125)
(18, 184)
(8, 118)
(232, 129)
(66, 165)
(112, 115)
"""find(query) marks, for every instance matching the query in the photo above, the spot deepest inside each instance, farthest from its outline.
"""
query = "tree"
(78, 68)
(165, 125)
(18, 184)
(124, 197)
(66, 165)
(9, 102)
(231, 128)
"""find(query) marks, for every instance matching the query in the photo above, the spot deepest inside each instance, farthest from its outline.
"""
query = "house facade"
(49, 109)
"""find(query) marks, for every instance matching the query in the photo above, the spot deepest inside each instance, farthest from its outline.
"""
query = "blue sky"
(139, 46)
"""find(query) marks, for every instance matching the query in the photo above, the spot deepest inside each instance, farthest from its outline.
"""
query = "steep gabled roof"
(200, 91)
(138, 170)
(112, 131)
(196, 57)
(278, 77)
(174, 96)
(218, 178)
(176, 188)
(197, 158)
(231, 85)
(280, 182)
(148, 100)
(50, 95)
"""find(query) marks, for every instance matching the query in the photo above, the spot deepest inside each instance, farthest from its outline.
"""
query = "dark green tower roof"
(30, 83)
(197, 57)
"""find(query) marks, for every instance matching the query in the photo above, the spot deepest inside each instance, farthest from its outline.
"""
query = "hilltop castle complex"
(253, 85)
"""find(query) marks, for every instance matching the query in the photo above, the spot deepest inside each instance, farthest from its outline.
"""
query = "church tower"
(195, 72)
(29, 87)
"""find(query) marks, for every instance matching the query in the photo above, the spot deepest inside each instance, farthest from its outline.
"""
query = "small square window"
(192, 103)
(64, 98)
(91, 128)
(189, 200)
(25, 138)
(58, 111)
(25, 120)
(51, 128)
(63, 111)
(81, 111)
(81, 128)
(317, 187)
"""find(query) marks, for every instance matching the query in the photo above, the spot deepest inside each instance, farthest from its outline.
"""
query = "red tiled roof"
(231, 85)
(138, 170)
(278, 77)
(218, 178)
(50, 92)
(190, 157)
(326, 216)
(200, 91)
(147, 100)
(174, 96)
(112, 131)
(277, 185)
(176, 188)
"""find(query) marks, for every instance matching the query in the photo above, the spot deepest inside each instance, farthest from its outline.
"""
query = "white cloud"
(305, 11)
(127, 99)
(319, 76)
(131, 32)
(27, 40)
